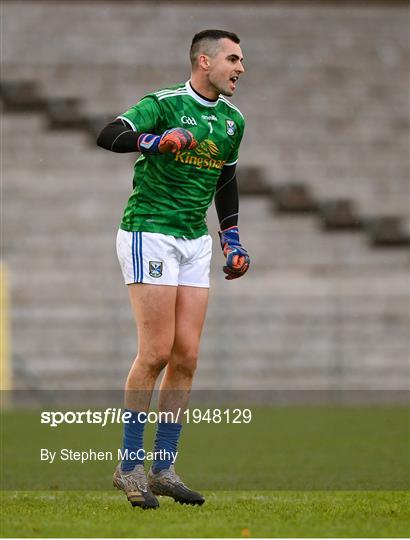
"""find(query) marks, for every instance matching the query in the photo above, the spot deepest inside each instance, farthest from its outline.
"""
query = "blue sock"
(133, 439)
(166, 440)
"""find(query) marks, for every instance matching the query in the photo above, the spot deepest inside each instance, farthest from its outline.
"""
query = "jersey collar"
(198, 98)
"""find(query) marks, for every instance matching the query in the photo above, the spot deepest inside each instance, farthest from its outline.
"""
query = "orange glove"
(172, 140)
(176, 139)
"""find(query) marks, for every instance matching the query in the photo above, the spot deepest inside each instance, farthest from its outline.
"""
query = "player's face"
(226, 67)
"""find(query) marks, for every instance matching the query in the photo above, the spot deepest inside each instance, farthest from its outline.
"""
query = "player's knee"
(155, 361)
(185, 363)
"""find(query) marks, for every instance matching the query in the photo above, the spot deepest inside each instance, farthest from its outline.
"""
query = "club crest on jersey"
(230, 127)
(155, 269)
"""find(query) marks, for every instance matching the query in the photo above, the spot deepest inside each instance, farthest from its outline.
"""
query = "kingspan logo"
(203, 157)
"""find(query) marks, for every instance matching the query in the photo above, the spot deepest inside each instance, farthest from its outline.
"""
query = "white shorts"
(161, 259)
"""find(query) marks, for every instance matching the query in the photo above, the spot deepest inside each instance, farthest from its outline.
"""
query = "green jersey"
(172, 192)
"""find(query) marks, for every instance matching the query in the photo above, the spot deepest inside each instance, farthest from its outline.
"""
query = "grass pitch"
(225, 514)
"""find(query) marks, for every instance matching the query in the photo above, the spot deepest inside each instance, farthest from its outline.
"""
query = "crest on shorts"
(230, 127)
(155, 269)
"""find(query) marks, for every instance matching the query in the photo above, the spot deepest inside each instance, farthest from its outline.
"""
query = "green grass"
(225, 514)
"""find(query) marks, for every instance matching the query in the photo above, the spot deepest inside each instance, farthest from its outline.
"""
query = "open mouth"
(234, 79)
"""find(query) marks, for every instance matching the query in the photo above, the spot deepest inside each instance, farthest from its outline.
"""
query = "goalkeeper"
(188, 137)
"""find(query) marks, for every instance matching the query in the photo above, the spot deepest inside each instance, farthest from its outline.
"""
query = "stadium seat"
(339, 215)
(388, 232)
(252, 181)
(65, 113)
(21, 96)
(294, 198)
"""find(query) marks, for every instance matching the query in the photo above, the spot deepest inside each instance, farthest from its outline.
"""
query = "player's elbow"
(103, 140)
(117, 139)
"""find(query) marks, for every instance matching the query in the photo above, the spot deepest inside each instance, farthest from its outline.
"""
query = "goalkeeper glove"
(172, 140)
(237, 258)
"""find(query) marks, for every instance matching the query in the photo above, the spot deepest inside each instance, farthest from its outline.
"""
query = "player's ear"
(203, 61)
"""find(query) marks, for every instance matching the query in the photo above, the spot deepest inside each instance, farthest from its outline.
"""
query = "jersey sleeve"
(144, 116)
(233, 156)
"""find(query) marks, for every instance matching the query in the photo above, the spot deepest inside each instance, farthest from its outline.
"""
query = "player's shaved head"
(208, 42)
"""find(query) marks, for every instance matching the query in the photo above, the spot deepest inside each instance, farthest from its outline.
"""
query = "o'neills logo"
(203, 157)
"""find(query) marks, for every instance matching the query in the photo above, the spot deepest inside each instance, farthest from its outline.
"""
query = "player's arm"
(118, 136)
(227, 208)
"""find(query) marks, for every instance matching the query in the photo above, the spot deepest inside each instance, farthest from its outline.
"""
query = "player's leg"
(153, 307)
(191, 305)
(190, 311)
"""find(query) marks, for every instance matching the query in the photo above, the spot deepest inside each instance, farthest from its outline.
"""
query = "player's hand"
(237, 258)
(176, 139)
(172, 140)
